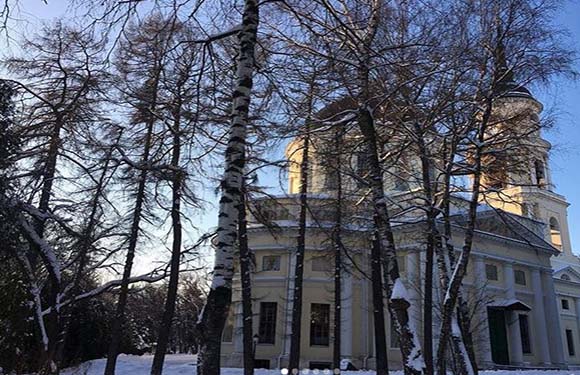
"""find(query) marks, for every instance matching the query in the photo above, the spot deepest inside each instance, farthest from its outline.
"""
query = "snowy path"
(181, 364)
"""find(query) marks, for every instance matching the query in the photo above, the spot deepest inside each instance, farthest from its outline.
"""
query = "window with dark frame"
(267, 328)
(570, 342)
(565, 304)
(491, 272)
(520, 277)
(525, 334)
(540, 173)
(319, 324)
(271, 263)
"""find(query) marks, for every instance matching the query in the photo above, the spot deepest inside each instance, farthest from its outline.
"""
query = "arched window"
(540, 173)
(565, 277)
(555, 233)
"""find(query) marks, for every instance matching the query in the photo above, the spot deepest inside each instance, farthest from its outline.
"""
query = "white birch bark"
(214, 314)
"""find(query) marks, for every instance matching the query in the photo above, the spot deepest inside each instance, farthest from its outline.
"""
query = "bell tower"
(516, 175)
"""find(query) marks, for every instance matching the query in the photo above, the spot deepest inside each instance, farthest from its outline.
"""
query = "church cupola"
(516, 176)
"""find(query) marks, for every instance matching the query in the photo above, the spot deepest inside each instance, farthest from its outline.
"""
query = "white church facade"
(522, 284)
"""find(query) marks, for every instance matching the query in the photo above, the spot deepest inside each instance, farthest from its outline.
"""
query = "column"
(414, 285)
(483, 335)
(512, 319)
(553, 320)
(540, 321)
(346, 318)
(577, 303)
(238, 328)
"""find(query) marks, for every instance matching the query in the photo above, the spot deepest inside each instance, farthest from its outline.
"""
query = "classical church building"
(522, 284)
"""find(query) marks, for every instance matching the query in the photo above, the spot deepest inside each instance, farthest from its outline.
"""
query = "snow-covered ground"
(180, 364)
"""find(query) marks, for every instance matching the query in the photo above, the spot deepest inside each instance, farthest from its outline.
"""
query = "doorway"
(498, 336)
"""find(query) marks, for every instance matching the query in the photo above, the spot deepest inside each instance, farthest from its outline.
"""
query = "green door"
(498, 336)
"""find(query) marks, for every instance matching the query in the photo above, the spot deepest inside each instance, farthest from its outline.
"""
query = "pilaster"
(484, 342)
(540, 321)
(553, 320)
(512, 319)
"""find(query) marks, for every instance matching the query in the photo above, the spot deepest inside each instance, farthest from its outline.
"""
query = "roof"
(512, 304)
(506, 86)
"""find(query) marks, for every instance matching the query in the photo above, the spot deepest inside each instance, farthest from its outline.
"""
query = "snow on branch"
(151, 277)
(44, 247)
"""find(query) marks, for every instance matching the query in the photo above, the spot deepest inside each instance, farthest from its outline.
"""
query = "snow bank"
(181, 364)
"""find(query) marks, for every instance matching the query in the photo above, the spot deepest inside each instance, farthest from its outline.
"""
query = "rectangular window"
(520, 277)
(271, 263)
(267, 328)
(565, 304)
(394, 341)
(491, 272)
(228, 332)
(319, 324)
(570, 341)
(321, 264)
(262, 363)
(525, 332)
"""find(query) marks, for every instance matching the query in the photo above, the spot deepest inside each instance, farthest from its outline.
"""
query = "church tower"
(517, 177)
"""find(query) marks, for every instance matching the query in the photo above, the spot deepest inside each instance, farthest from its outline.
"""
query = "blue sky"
(562, 97)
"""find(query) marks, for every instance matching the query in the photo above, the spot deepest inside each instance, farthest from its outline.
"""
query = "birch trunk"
(214, 315)
(246, 279)
(460, 268)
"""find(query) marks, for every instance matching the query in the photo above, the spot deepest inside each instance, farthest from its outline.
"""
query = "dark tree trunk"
(398, 304)
(431, 237)
(295, 339)
(119, 317)
(337, 244)
(52, 322)
(172, 287)
(246, 279)
(382, 363)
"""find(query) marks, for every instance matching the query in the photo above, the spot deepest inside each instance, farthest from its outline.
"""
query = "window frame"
(488, 267)
(570, 343)
(267, 323)
(565, 304)
(279, 263)
(523, 275)
(525, 335)
(320, 330)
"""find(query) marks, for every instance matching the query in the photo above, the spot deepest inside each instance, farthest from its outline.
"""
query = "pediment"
(567, 273)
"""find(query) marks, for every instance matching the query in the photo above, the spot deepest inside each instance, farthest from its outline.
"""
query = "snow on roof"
(512, 304)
